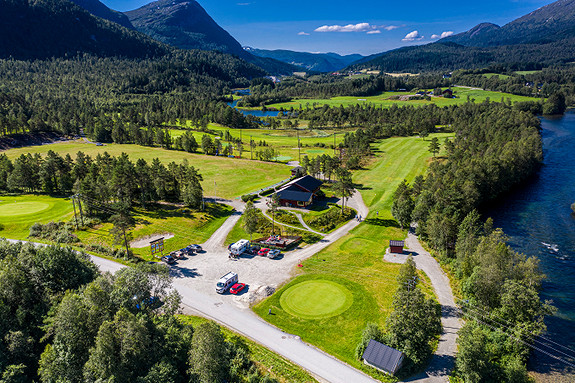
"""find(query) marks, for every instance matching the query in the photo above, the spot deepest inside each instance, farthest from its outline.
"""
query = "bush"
(60, 232)
(331, 219)
(310, 238)
(249, 197)
(285, 216)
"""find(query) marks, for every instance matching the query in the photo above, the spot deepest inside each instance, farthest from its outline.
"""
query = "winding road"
(322, 366)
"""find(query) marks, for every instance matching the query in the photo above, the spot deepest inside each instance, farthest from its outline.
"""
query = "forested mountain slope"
(33, 29)
(320, 62)
(98, 8)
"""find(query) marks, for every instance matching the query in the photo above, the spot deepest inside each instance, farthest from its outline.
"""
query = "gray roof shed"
(382, 357)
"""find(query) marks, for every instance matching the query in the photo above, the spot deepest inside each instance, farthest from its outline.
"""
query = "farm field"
(383, 100)
(232, 177)
(355, 261)
(18, 213)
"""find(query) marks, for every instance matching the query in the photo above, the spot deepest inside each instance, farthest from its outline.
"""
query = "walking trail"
(443, 360)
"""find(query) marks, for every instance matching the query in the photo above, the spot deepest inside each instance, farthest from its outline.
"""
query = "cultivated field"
(384, 100)
(354, 263)
(224, 177)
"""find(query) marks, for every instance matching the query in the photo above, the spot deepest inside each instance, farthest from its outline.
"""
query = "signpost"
(157, 246)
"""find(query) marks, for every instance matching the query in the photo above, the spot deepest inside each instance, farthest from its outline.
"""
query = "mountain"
(318, 62)
(37, 29)
(186, 25)
(552, 22)
(545, 36)
(183, 24)
(97, 8)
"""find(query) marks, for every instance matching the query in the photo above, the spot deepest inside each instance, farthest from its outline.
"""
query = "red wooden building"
(396, 246)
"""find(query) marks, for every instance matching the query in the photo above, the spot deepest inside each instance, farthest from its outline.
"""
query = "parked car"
(273, 253)
(151, 303)
(99, 144)
(179, 254)
(263, 252)
(194, 247)
(225, 282)
(237, 288)
(168, 259)
(254, 249)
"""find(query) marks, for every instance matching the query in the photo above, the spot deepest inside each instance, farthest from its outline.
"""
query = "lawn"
(384, 100)
(18, 213)
(224, 177)
(187, 226)
(355, 261)
(526, 72)
(267, 361)
(498, 75)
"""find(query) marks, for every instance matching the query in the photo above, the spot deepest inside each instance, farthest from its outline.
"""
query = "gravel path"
(443, 360)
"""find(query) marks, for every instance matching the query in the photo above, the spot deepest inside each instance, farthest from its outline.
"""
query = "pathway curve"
(443, 360)
(216, 241)
(300, 219)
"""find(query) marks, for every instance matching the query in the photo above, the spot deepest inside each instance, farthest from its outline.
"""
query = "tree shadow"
(381, 222)
(183, 272)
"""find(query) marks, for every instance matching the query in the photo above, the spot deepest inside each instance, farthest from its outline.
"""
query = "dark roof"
(383, 357)
(294, 195)
(297, 167)
(396, 243)
(308, 183)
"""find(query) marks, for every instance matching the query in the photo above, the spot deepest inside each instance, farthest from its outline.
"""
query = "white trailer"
(238, 248)
(225, 282)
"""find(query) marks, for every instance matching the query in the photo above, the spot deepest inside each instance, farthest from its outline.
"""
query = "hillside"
(97, 8)
(545, 36)
(33, 29)
(318, 62)
(185, 24)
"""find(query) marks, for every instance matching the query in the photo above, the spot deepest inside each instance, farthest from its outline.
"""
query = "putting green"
(23, 208)
(316, 299)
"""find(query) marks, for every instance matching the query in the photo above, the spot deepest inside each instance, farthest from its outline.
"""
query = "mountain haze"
(319, 62)
(543, 37)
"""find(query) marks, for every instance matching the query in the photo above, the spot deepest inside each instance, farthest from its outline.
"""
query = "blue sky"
(347, 26)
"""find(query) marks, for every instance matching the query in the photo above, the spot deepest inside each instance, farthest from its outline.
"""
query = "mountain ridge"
(320, 62)
(97, 8)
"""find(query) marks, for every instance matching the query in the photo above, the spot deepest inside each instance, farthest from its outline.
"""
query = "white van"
(238, 248)
(225, 282)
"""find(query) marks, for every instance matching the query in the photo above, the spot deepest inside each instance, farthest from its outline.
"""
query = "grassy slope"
(233, 177)
(383, 99)
(355, 260)
(267, 361)
(17, 226)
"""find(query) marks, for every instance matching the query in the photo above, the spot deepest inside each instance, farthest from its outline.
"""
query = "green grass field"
(18, 213)
(233, 177)
(526, 72)
(355, 261)
(500, 76)
(384, 100)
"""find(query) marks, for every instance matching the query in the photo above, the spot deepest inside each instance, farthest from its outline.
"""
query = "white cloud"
(442, 35)
(303, 34)
(390, 27)
(374, 32)
(412, 36)
(361, 27)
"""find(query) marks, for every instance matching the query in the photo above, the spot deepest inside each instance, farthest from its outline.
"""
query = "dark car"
(180, 254)
(168, 259)
(254, 249)
(237, 288)
(194, 247)
(151, 303)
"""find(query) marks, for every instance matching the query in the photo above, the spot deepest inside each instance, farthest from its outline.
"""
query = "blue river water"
(257, 113)
(539, 221)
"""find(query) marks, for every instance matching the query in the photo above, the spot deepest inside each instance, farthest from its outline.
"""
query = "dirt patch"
(30, 139)
(145, 241)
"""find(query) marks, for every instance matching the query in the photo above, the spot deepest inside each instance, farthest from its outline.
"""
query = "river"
(539, 222)
(254, 112)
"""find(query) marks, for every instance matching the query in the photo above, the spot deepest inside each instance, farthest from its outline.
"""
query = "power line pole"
(75, 217)
(251, 149)
(298, 148)
(334, 134)
(80, 206)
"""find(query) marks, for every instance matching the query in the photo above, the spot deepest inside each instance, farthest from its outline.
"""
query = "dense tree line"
(113, 99)
(104, 180)
(327, 86)
(62, 321)
(495, 148)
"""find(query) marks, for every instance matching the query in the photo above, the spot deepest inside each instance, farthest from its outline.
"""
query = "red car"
(263, 252)
(237, 288)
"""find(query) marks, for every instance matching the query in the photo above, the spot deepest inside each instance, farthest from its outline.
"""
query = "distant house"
(297, 170)
(300, 74)
(396, 246)
(382, 357)
(448, 75)
(447, 93)
(299, 192)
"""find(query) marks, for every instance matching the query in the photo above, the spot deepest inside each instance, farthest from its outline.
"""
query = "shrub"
(331, 219)
(60, 232)
(249, 197)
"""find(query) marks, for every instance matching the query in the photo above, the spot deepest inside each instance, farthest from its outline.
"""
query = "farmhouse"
(447, 93)
(396, 246)
(299, 192)
(382, 357)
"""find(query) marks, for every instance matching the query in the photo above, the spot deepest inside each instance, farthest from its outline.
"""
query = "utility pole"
(126, 244)
(334, 134)
(251, 149)
(298, 148)
(75, 217)
(240, 142)
(215, 189)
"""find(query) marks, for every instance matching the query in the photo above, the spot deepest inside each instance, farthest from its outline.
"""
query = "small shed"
(447, 93)
(382, 357)
(396, 246)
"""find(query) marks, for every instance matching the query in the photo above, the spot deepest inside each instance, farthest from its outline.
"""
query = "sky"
(350, 26)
